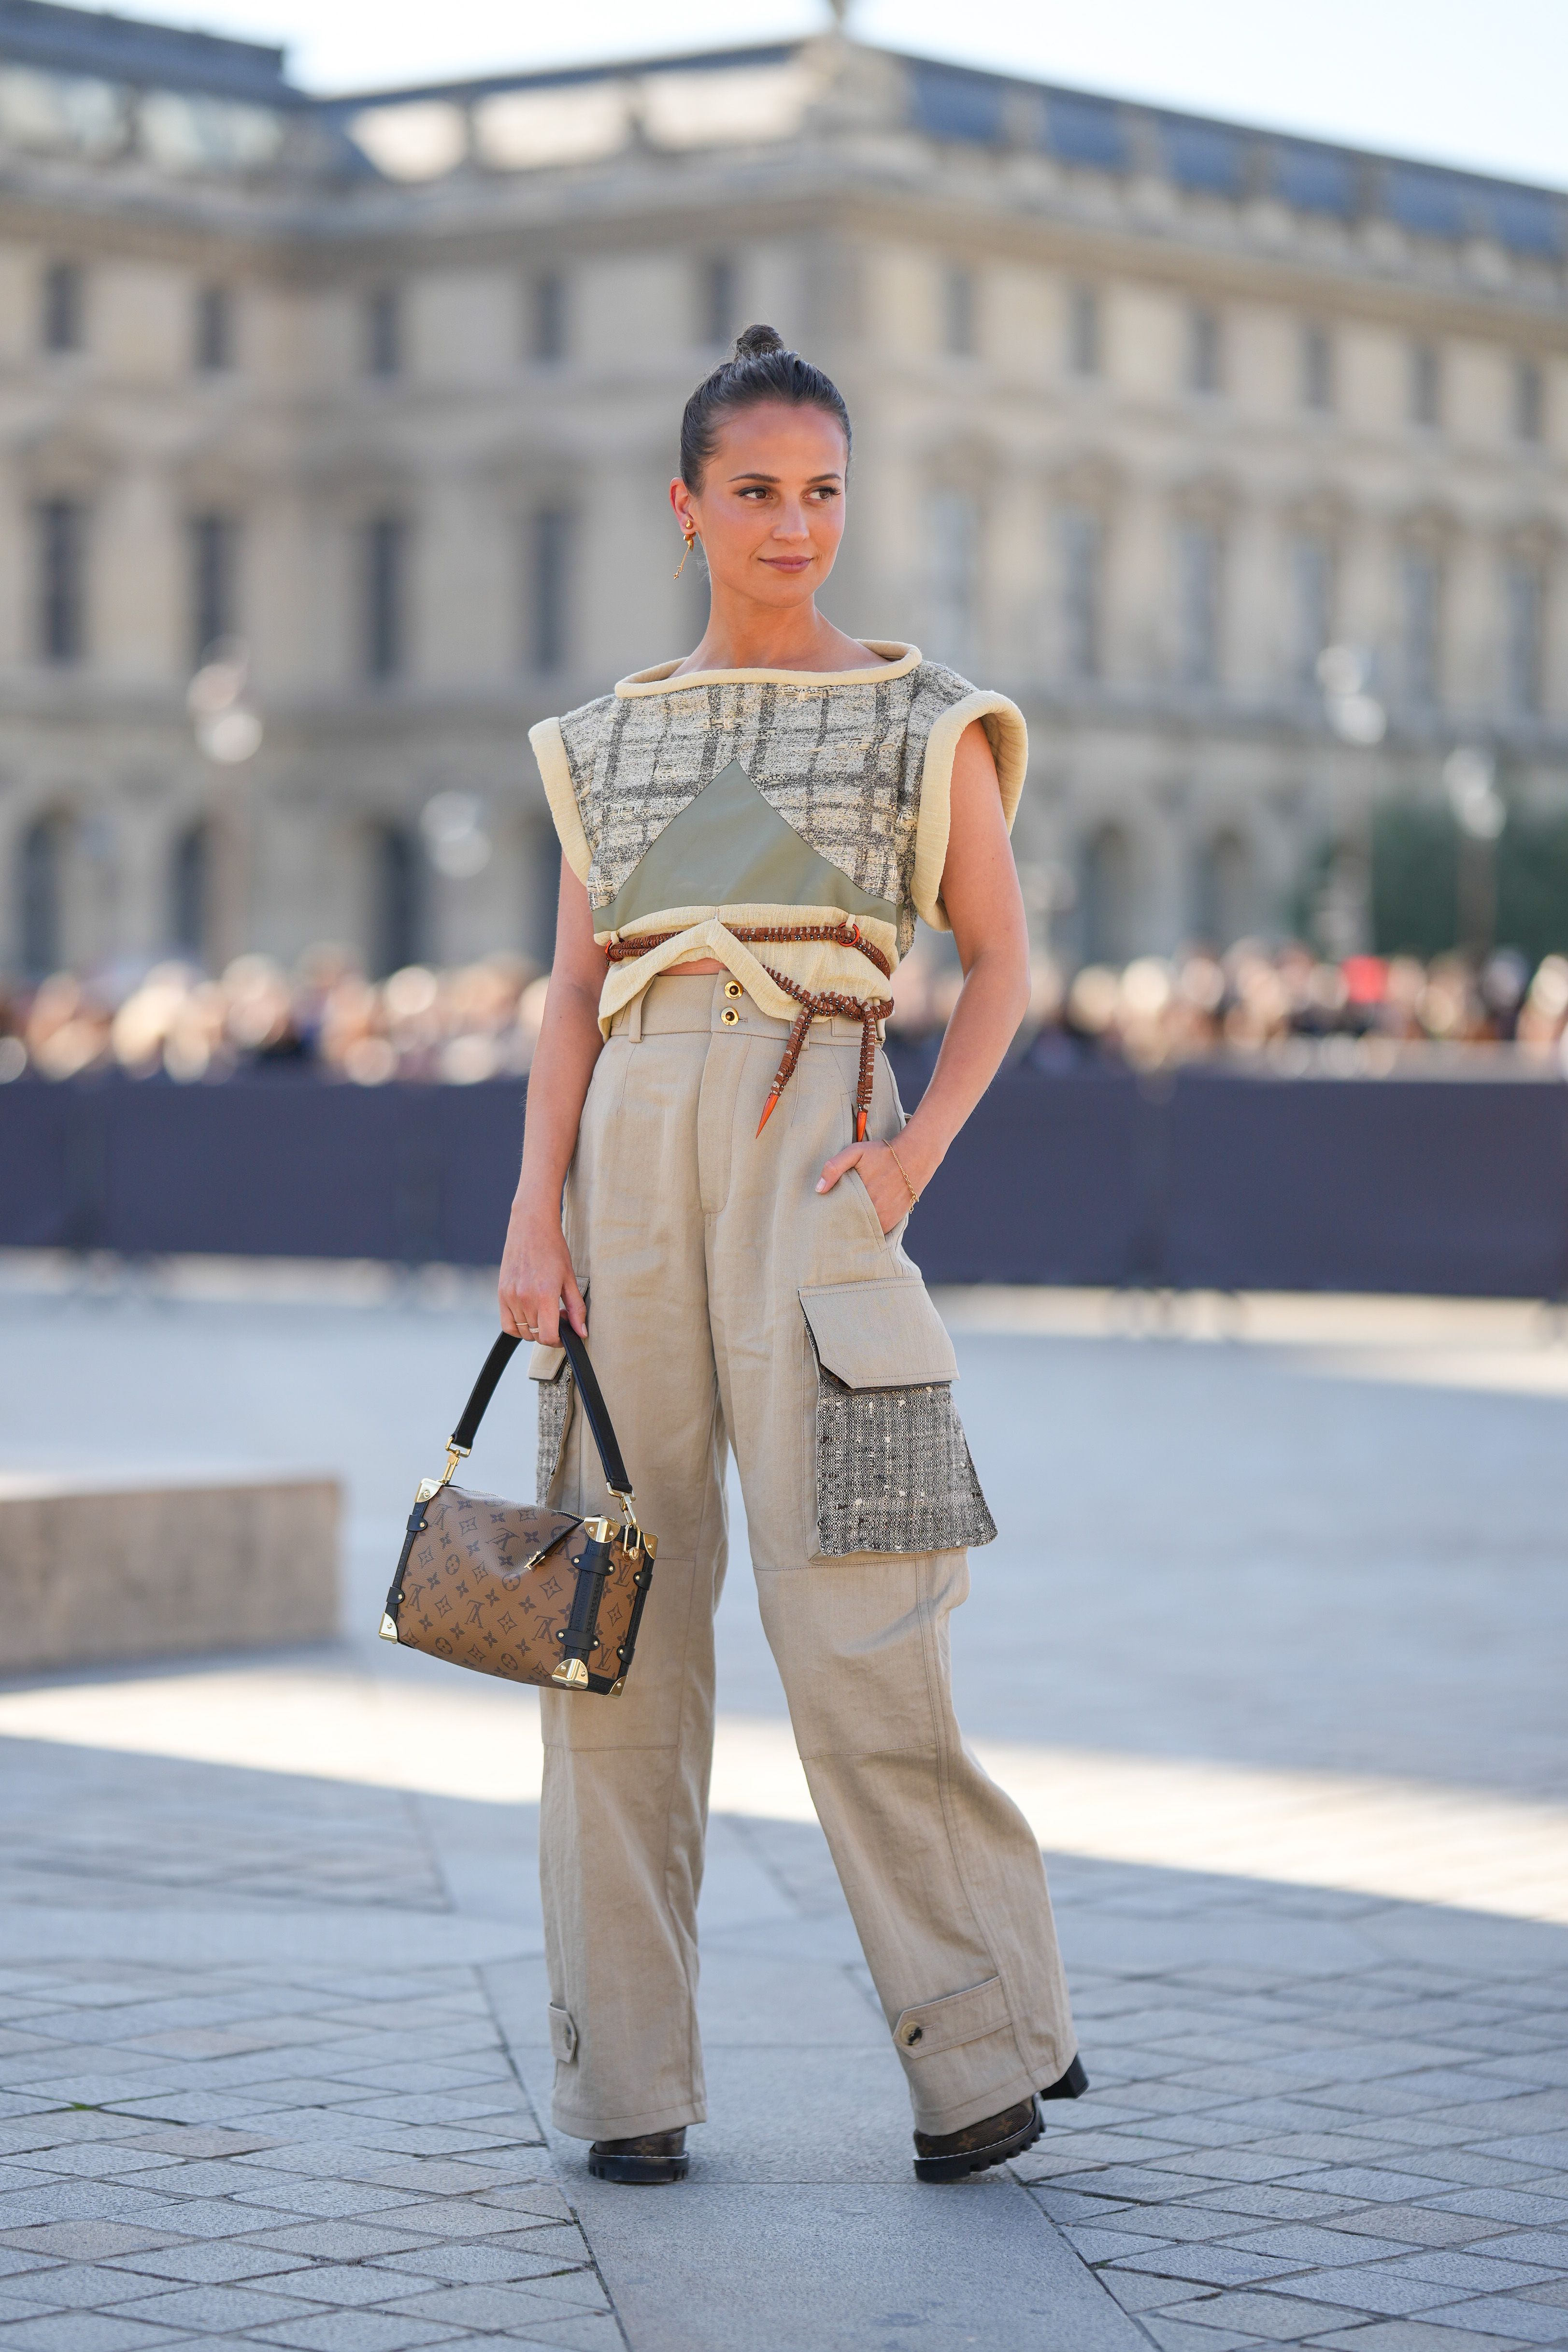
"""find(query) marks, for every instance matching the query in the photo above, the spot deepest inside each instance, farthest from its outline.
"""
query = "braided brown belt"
(813, 1004)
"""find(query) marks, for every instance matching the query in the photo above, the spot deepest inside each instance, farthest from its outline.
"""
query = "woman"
(748, 836)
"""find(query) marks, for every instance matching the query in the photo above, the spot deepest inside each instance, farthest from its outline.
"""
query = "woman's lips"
(789, 562)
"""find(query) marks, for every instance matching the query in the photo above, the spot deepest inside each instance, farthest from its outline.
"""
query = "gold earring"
(690, 535)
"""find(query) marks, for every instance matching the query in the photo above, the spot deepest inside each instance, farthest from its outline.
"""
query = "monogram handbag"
(515, 1589)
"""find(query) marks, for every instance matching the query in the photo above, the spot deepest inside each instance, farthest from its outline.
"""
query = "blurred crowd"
(479, 1020)
(482, 1020)
(1282, 1002)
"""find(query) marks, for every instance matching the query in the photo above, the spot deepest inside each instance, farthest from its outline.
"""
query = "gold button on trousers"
(696, 1239)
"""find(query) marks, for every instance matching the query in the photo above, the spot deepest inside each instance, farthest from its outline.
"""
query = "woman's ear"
(681, 499)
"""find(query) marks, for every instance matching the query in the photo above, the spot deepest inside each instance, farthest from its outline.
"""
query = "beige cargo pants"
(730, 1303)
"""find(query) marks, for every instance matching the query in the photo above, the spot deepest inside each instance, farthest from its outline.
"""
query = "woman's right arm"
(536, 1275)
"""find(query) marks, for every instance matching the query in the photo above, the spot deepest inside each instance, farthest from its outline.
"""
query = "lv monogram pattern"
(489, 1584)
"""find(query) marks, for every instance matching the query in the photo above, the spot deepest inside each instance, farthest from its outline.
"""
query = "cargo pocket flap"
(879, 1335)
(544, 1363)
(563, 2034)
(956, 2017)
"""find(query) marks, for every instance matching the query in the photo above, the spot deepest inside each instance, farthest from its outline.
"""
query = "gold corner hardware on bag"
(571, 1672)
(600, 1530)
(617, 1688)
(426, 1490)
(388, 1628)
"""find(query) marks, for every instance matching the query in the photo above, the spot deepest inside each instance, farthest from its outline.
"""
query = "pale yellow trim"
(1009, 740)
(555, 773)
(896, 661)
(710, 936)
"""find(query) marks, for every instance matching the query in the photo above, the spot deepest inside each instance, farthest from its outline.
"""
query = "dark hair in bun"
(761, 369)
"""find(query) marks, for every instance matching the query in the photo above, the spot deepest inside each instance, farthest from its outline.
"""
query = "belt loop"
(634, 1014)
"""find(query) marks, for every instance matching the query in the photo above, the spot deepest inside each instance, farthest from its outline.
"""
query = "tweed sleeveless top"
(761, 798)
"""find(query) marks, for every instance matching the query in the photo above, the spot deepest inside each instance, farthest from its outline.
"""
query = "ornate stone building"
(1150, 410)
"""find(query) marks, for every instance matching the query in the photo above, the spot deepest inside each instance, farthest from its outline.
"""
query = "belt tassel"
(785, 1070)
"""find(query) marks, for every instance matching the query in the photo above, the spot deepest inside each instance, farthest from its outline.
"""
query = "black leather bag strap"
(597, 1411)
(588, 1388)
(484, 1388)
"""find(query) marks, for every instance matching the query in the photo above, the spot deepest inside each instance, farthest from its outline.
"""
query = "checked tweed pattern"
(893, 1472)
(488, 1584)
(841, 763)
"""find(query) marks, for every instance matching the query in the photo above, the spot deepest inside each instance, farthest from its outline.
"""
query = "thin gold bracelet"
(914, 1196)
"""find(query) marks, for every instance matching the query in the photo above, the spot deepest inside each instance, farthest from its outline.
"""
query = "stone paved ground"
(271, 2063)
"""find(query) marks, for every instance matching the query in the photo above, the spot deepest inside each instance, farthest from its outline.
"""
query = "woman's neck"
(760, 639)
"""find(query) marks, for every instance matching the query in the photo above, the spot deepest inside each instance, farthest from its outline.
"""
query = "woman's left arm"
(985, 906)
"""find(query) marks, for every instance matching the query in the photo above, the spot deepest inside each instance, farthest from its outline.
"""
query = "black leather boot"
(952, 2156)
(655, 2156)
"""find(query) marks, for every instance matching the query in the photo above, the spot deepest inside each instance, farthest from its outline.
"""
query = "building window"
(384, 331)
(385, 561)
(1225, 891)
(214, 547)
(1423, 627)
(40, 878)
(1082, 559)
(717, 292)
(1083, 331)
(190, 891)
(62, 537)
(1314, 571)
(1199, 559)
(396, 899)
(1106, 896)
(1203, 350)
(547, 316)
(550, 537)
(214, 337)
(1317, 368)
(1525, 604)
(62, 307)
(1528, 401)
(1426, 384)
(958, 311)
(952, 519)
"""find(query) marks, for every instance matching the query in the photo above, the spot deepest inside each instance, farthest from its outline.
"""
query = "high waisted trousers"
(695, 1239)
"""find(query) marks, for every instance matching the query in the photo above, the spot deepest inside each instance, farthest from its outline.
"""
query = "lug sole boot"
(654, 2156)
(953, 2156)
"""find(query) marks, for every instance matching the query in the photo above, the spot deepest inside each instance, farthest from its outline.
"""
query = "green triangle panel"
(731, 848)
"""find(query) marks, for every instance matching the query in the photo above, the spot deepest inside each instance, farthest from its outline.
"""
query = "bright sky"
(1457, 81)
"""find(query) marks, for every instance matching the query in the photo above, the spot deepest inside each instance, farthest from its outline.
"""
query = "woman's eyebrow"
(753, 474)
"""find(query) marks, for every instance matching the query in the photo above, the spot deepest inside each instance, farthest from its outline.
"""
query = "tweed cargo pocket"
(893, 1469)
(550, 1369)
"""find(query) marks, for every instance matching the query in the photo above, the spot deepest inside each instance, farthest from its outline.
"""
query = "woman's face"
(770, 514)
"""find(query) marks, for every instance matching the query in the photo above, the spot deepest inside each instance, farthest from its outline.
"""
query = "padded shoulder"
(567, 750)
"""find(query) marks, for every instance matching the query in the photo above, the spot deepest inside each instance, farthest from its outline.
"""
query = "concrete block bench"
(110, 1566)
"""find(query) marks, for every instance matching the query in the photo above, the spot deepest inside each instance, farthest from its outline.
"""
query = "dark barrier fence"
(1195, 1180)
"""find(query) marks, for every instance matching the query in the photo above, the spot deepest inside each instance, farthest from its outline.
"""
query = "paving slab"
(293, 1961)
(831, 2269)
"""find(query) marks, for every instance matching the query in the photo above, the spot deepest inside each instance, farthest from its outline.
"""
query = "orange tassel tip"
(768, 1109)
